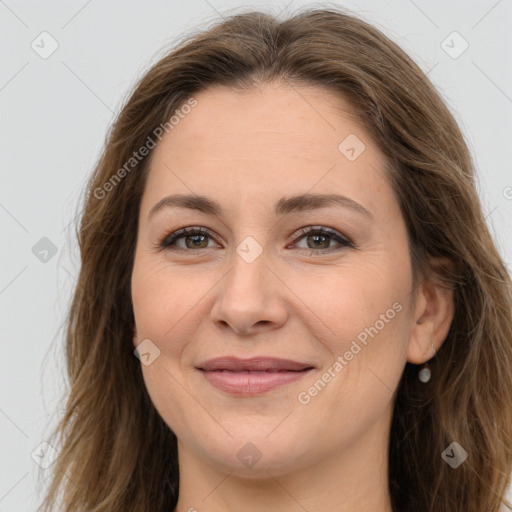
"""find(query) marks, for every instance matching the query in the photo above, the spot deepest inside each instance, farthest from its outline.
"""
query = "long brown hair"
(116, 452)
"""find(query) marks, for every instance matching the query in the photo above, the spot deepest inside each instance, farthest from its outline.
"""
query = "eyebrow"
(282, 207)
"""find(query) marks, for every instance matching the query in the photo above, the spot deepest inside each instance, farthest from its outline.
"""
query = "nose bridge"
(249, 294)
(248, 276)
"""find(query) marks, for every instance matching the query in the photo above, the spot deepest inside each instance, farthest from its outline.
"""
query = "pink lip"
(251, 376)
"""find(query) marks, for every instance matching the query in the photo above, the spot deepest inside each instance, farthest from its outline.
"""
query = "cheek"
(161, 302)
(176, 405)
(365, 315)
(367, 356)
(161, 297)
(356, 299)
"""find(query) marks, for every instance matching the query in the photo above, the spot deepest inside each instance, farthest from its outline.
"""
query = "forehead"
(274, 140)
(307, 119)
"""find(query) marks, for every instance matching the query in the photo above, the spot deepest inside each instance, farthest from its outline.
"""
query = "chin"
(255, 456)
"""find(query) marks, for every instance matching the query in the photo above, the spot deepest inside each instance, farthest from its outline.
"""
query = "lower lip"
(251, 383)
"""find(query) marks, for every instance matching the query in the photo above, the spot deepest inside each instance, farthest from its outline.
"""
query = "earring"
(424, 374)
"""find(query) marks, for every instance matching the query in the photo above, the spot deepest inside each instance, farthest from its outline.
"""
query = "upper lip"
(255, 364)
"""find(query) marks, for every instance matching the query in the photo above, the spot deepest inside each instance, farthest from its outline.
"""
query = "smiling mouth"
(248, 382)
(253, 376)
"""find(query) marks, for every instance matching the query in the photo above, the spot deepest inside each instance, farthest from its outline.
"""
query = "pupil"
(317, 237)
(195, 238)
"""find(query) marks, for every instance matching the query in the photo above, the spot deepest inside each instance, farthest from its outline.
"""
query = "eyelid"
(308, 230)
(183, 232)
(341, 239)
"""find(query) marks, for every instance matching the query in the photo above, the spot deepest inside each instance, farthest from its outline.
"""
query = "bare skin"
(305, 297)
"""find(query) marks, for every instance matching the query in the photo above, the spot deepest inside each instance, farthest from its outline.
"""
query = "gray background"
(55, 112)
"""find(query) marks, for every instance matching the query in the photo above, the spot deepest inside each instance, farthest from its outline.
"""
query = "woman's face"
(279, 272)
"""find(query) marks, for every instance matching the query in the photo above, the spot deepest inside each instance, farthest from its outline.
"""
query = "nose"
(250, 298)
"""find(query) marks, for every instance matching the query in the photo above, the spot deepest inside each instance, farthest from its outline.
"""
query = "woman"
(288, 297)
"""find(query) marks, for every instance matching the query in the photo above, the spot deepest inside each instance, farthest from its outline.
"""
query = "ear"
(433, 315)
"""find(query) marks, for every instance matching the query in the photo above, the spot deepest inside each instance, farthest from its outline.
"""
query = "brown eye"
(195, 238)
(319, 239)
(196, 241)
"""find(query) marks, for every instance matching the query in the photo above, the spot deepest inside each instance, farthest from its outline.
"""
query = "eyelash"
(343, 241)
